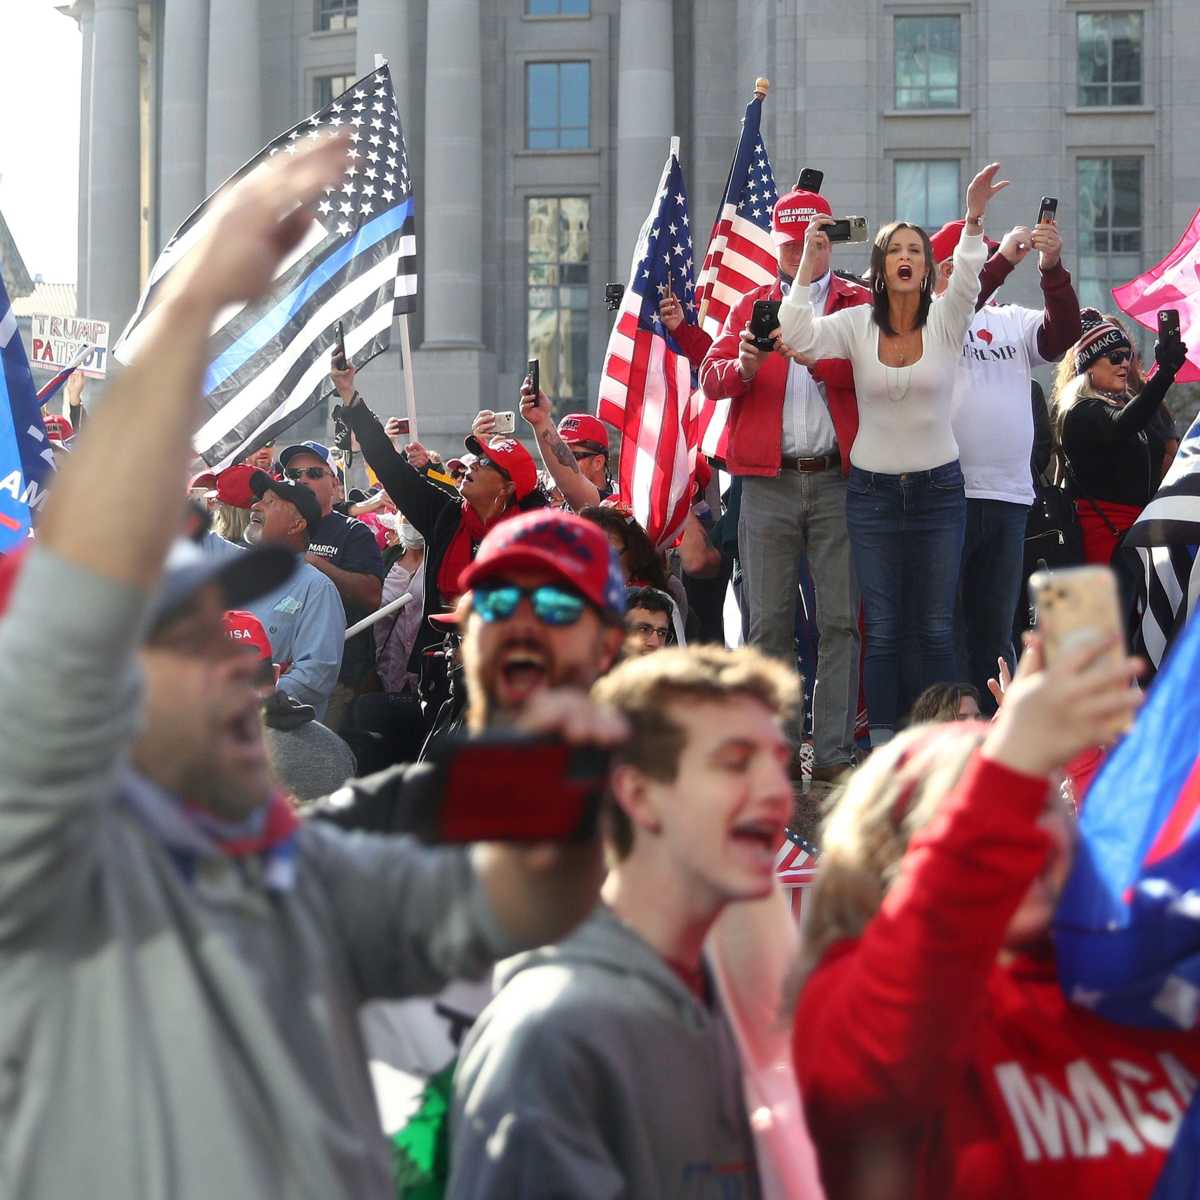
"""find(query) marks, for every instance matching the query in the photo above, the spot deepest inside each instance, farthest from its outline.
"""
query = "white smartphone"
(506, 422)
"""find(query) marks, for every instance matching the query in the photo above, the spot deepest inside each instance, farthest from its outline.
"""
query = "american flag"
(269, 361)
(796, 868)
(49, 389)
(740, 258)
(1161, 547)
(26, 460)
(647, 382)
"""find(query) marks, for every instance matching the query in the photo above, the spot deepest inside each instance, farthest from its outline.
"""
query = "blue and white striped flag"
(26, 459)
(269, 361)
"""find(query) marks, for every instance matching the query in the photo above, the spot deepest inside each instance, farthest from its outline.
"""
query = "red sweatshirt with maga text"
(929, 1071)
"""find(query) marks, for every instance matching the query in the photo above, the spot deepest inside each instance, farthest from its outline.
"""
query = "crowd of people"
(240, 860)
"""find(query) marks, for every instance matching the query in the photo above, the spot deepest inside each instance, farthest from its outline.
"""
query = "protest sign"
(55, 341)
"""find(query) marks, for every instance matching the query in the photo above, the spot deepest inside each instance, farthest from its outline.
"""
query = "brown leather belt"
(826, 462)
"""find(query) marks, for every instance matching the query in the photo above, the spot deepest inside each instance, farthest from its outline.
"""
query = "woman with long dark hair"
(1112, 429)
(905, 504)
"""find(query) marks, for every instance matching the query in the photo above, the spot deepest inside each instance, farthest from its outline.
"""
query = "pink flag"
(1172, 283)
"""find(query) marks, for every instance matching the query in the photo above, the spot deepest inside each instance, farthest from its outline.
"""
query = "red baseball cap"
(247, 630)
(205, 479)
(946, 238)
(233, 486)
(575, 551)
(512, 458)
(793, 211)
(580, 429)
(58, 428)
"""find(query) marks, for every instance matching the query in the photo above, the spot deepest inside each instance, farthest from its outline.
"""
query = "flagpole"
(410, 387)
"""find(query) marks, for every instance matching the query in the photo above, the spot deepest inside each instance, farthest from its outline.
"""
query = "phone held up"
(1047, 209)
(1077, 606)
(1168, 326)
(847, 229)
(810, 180)
(764, 320)
(505, 423)
(533, 369)
(339, 347)
(506, 787)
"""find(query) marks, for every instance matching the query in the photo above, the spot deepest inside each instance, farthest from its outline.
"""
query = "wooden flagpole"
(410, 387)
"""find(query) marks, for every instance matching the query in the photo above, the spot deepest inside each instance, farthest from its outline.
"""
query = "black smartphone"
(339, 347)
(764, 320)
(506, 787)
(1168, 326)
(810, 180)
(533, 370)
(847, 229)
(1047, 209)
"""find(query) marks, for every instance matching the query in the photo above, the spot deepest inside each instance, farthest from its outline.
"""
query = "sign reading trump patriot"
(54, 343)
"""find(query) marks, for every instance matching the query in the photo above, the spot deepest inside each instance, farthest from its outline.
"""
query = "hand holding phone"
(1047, 209)
(505, 423)
(764, 320)
(533, 370)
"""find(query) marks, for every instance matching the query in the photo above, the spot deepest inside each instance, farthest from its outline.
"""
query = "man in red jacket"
(791, 425)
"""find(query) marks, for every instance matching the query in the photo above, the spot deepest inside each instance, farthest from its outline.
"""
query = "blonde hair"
(230, 522)
(1070, 386)
(893, 796)
(642, 689)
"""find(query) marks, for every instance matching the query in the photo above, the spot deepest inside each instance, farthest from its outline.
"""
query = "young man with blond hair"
(560, 1088)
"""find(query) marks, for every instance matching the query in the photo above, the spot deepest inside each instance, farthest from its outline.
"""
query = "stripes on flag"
(268, 360)
(50, 389)
(647, 383)
(1164, 540)
(796, 869)
(740, 258)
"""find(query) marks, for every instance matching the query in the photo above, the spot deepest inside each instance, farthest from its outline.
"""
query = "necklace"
(892, 386)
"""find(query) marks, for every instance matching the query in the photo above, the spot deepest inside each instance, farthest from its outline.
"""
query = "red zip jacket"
(922, 1058)
(694, 343)
(756, 414)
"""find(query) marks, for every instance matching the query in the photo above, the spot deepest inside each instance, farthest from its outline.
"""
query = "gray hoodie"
(596, 1073)
(172, 1027)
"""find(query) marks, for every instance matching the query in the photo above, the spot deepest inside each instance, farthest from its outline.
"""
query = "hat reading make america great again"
(575, 551)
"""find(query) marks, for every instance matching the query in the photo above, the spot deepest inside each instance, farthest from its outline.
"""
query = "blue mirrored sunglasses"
(551, 604)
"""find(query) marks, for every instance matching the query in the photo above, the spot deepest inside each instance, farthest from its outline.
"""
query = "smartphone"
(613, 292)
(534, 370)
(506, 787)
(1047, 209)
(1075, 606)
(847, 229)
(810, 180)
(506, 423)
(764, 320)
(339, 347)
(403, 427)
(1168, 326)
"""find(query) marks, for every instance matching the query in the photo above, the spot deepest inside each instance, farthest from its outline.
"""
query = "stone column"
(453, 196)
(86, 16)
(184, 78)
(234, 115)
(718, 99)
(645, 114)
(386, 27)
(113, 165)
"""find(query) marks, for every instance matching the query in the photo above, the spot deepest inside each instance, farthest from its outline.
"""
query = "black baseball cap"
(306, 504)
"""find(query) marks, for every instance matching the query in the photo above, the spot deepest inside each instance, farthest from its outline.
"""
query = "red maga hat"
(580, 429)
(793, 212)
(512, 458)
(233, 486)
(247, 630)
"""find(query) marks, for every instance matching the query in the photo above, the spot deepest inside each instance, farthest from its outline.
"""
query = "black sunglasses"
(484, 461)
(1117, 357)
(294, 473)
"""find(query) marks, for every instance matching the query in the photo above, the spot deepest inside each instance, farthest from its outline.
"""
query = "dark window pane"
(337, 14)
(557, 317)
(1127, 192)
(1109, 58)
(1110, 225)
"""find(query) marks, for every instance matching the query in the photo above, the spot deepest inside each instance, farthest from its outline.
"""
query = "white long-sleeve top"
(903, 412)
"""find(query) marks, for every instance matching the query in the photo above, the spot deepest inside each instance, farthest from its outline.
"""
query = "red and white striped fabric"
(796, 867)
(646, 385)
(740, 258)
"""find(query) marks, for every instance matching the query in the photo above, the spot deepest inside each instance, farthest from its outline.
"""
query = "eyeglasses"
(1117, 357)
(551, 604)
(484, 461)
(295, 473)
(656, 631)
(580, 455)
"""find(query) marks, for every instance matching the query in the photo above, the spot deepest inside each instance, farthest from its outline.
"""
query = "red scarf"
(464, 543)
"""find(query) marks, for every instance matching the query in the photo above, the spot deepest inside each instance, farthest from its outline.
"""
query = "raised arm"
(556, 454)
(1060, 328)
(67, 703)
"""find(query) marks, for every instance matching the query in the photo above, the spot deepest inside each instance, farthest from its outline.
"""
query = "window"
(337, 14)
(928, 193)
(557, 8)
(1110, 58)
(1110, 226)
(927, 62)
(557, 302)
(326, 87)
(557, 104)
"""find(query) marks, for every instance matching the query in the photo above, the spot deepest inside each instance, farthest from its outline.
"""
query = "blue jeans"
(992, 559)
(906, 535)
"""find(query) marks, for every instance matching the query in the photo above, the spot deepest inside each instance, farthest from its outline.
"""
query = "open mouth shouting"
(241, 736)
(904, 273)
(757, 840)
(523, 668)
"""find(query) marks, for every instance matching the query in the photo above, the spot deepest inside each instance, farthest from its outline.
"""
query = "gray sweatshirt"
(184, 1034)
(595, 1073)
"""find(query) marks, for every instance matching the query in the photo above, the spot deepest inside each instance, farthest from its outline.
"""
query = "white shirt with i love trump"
(992, 413)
